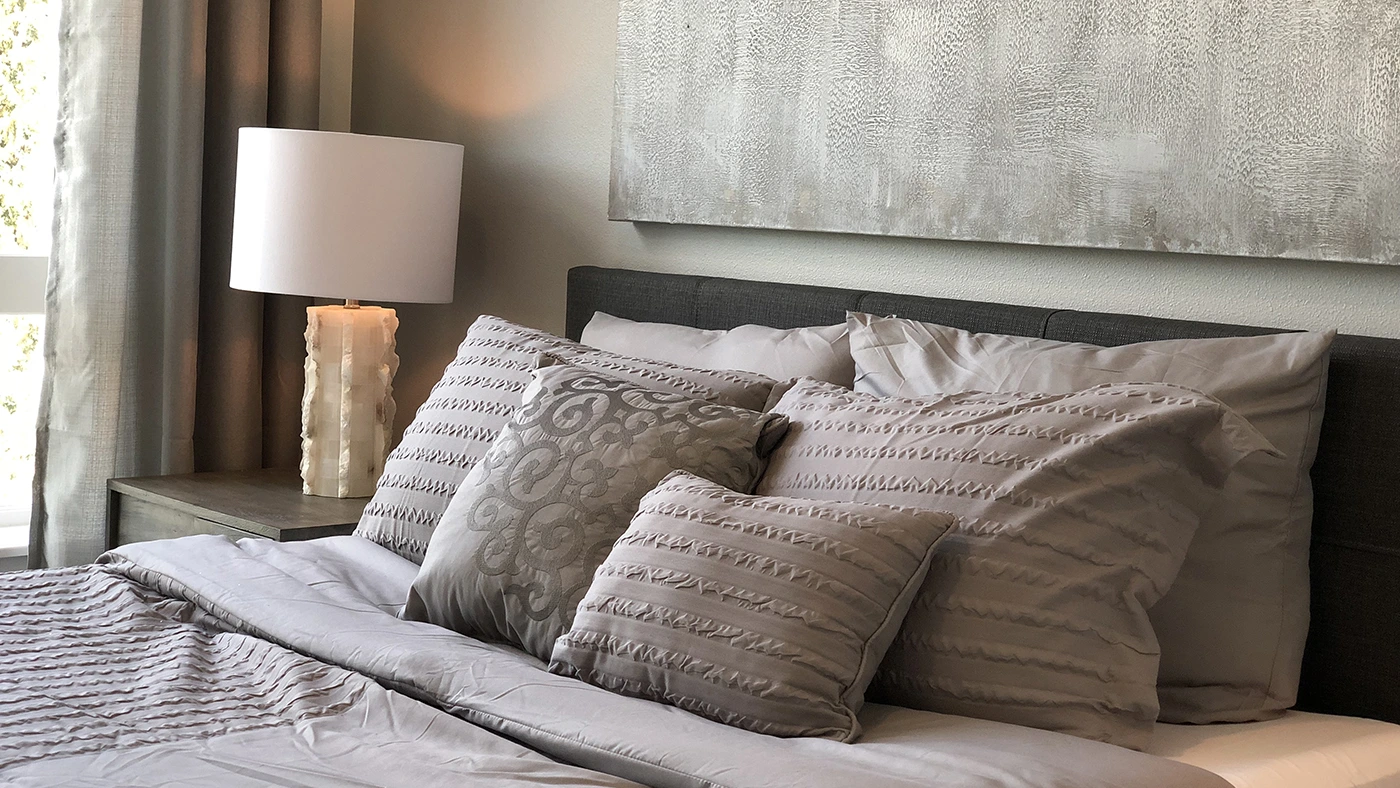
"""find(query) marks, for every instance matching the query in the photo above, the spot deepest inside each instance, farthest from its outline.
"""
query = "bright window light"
(28, 106)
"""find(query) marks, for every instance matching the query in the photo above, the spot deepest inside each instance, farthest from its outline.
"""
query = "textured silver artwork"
(1266, 128)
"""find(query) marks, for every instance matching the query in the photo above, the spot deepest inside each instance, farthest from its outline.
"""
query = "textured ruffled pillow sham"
(820, 352)
(518, 545)
(475, 398)
(1075, 512)
(769, 614)
(1233, 626)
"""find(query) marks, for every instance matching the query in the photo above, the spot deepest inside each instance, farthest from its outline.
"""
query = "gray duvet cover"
(198, 661)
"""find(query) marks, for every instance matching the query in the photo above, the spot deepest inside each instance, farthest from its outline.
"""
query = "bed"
(203, 662)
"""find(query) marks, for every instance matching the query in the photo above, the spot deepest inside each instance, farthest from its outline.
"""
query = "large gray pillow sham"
(475, 398)
(1233, 626)
(821, 352)
(1075, 512)
(520, 541)
(769, 614)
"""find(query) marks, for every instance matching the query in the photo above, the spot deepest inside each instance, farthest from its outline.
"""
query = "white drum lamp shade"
(321, 213)
(355, 217)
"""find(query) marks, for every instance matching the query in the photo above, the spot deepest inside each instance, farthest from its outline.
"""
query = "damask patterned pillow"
(518, 545)
(1075, 512)
(769, 614)
(475, 398)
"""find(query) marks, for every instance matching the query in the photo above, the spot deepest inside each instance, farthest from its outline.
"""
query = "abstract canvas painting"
(1266, 128)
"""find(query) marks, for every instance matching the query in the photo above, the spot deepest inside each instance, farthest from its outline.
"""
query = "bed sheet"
(1298, 750)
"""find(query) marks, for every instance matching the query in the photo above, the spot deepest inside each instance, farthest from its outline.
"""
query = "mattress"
(1299, 750)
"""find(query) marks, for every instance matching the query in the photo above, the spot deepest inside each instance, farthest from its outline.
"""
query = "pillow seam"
(926, 565)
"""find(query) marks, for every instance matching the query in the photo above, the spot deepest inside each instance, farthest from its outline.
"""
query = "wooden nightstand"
(238, 504)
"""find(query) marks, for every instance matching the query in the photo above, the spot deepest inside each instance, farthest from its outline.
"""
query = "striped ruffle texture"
(90, 661)
(769, 614)
(1075, 512)
(476, 396)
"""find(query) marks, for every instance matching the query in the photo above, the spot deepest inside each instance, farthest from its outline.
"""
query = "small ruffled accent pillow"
(768, 614)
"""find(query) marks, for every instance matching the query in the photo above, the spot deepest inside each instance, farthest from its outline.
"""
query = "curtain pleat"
(293, 101)
(154, 364)
(155, 432)
(228, 427)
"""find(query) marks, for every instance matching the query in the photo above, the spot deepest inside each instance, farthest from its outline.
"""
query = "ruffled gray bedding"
(198, 661)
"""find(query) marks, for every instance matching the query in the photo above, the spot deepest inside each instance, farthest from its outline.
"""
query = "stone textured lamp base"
(347, 411)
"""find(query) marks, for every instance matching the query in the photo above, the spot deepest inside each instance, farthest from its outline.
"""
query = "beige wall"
(526, 85)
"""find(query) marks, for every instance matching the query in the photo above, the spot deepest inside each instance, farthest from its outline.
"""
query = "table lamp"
(349, 216)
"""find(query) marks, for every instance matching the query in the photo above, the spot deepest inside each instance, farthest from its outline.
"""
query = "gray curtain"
(153, 364)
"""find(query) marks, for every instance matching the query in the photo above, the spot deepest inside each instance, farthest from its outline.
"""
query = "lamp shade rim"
(343, 295)
(278, 132)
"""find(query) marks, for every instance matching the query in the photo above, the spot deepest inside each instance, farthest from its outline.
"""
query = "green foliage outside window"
(25, 60)
(28, 61)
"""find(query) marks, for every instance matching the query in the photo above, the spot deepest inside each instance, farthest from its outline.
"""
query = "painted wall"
(526, 86)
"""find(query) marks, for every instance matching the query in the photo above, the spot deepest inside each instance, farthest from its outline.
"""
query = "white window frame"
(23, 279)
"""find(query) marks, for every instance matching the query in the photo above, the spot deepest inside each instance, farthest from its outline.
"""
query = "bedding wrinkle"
(125, 668)
(107, 680)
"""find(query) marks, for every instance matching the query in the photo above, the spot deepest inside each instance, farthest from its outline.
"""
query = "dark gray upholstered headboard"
(1352, 664)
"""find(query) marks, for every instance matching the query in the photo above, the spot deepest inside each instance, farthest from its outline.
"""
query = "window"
(28, 107)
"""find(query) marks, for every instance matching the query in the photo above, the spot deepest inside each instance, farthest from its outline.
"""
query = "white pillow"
(821, 352)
